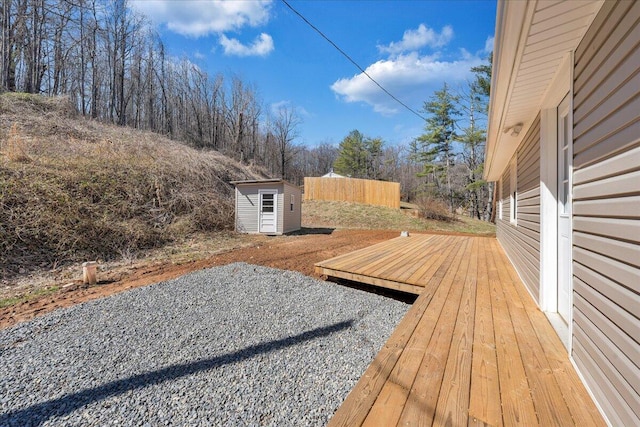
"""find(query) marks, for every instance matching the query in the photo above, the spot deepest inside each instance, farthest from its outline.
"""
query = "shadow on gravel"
(38, 414)
(305, 230)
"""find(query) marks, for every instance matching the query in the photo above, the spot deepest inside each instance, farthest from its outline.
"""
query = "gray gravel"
(234, 345)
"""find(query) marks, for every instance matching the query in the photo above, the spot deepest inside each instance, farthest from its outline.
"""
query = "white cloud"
(197, 18)
(410, 74)
(488, 44)
(409, 77)
(304, 112)
(276, 107)
(198, 55)
(261, 46)
(415, 39)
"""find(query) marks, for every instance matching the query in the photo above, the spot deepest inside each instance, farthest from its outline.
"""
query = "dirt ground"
(294, 252)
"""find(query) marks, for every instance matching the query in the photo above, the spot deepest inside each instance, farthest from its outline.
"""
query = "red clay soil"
(297, 253)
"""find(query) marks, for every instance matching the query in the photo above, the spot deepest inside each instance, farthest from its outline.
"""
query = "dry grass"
(73, 189)
(14, 147)
(354, 215)
(194, 247)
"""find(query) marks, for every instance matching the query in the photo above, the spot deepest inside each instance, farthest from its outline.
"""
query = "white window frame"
(513, 191)
(292, 203)
(500, 199)
(275, 193)
(561, 85)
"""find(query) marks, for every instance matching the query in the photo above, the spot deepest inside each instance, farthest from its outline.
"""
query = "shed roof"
(262, 181)
(258, 181)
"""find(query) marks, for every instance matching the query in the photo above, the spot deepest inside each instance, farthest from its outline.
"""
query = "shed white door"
(268, 207)
(565, 163)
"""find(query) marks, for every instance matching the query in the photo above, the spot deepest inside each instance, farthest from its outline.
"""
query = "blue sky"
(409, 47)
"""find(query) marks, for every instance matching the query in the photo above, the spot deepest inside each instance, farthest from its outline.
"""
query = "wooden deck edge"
(358, 402)
(374, 281)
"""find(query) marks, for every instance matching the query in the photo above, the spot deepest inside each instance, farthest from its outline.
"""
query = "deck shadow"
(404, 297)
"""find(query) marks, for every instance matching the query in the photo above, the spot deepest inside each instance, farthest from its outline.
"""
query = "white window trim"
(275, 206)
(513, 191)
(548, 299)
(500, 199)
(292, 203)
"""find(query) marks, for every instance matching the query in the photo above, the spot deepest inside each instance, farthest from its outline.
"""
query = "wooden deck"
(472, 350)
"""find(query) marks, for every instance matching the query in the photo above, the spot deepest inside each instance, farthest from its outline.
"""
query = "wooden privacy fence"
(367, 191)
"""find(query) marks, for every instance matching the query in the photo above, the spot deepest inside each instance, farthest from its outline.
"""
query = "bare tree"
(115, 68)
(284, 127)
(5, 43)
(324, 156)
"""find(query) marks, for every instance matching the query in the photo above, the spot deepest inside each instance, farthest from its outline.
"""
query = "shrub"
(431, 208)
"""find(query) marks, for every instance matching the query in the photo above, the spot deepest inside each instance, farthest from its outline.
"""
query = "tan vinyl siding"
(291, 220)
(521, 240)
(279, 219)
(606, 208)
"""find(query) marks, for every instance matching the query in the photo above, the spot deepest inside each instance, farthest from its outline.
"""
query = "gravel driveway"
(233, 345)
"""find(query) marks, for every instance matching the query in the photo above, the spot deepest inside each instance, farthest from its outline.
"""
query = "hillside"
(332, 214)
(73, 189)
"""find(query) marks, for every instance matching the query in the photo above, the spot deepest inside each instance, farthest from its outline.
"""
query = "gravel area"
(233, 345)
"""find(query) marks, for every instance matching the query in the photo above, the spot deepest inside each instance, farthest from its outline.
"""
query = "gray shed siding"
(247, 207)
(521, 241)
(606, 208)
(247, 200)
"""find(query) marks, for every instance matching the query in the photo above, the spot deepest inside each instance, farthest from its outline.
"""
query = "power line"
(351, 60)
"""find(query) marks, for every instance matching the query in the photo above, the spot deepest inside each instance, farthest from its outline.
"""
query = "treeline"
(115, 68)
(444, 164)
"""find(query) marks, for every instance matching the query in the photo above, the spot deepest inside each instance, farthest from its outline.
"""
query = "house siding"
(606, 209)
(521, 241)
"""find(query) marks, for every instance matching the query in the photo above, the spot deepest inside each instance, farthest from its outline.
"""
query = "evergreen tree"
(352, 156)
(437, 151)
(373, 148)
(482, 81)
(482, 190)
(473, 139)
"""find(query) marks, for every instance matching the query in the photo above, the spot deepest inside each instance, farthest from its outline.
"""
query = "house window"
(513, 196)
(291, 205)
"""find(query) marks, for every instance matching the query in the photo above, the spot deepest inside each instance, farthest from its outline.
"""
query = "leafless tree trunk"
(285, 130)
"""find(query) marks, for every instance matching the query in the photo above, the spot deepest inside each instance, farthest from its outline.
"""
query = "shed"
(268, 206)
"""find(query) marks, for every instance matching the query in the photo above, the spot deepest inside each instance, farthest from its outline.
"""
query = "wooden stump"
(89, 272)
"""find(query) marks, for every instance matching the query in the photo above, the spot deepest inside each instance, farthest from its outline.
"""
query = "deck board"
(484, 405)
(515, 393)
(453, 402)
(473, 350)
(421, 405)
